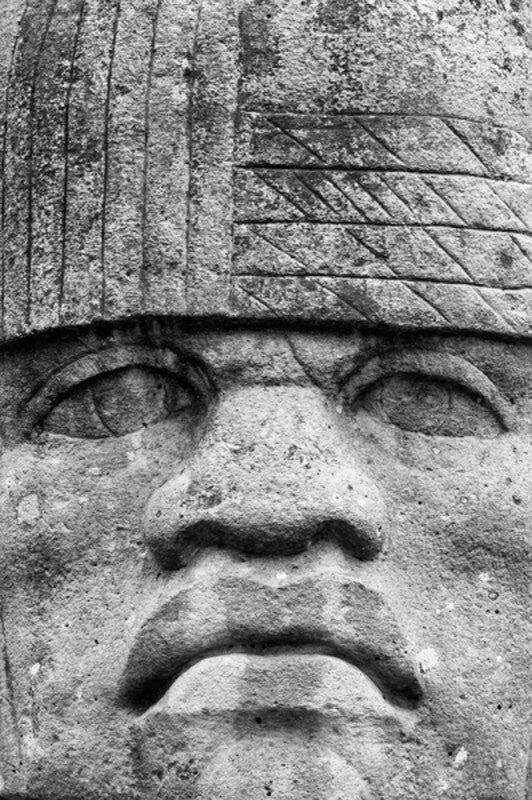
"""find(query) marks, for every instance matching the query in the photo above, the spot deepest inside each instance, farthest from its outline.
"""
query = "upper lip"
(327, 612)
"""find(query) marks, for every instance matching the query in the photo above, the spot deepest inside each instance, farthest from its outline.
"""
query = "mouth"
(326, 614)
(402, 691)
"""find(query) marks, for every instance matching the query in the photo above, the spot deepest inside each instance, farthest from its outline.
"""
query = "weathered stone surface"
(265, 400)
(291, 562)
(142, 140)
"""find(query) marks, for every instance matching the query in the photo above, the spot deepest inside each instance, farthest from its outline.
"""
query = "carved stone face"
(266, 399)
(266, 561)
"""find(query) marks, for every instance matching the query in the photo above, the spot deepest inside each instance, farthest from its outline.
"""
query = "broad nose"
(276, 470)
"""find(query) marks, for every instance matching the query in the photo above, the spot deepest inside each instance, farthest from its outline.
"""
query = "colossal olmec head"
(366, 161)
(266, 311)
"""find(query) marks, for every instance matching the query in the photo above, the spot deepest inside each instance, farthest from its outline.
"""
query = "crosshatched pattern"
(146, 170)
(381, 217)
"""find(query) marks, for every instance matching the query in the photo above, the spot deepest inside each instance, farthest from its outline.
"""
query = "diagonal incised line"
(258, 300)
(479, 293)
(281, 249)
(290, 135)
(353, 235)
(466, 143)
(282, 193)
(380, 141)
(372, 197)
(317, 194)
(361, 241)
(429, 303)
(349, 304)
(443, 199)
(349, 199)
(395, 191)
(507, 205)
(518, 244)
(433, 237)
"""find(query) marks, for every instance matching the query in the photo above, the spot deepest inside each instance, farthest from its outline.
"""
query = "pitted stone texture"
(144, 143)
(187, 608)
(397, 56)
(95, 160)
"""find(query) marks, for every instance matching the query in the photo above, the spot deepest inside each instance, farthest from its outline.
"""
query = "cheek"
(462, 534)
(73, 564)
(462, 502)
(70, 508)
(73, 507)
(71, 544)
(459, 550)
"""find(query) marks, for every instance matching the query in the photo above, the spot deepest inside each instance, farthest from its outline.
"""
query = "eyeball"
(433, 406)
(119, 402)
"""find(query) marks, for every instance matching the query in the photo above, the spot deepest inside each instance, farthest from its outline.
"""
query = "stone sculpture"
(266, 389)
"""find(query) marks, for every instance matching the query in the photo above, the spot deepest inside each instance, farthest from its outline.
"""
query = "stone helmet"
(267, 159)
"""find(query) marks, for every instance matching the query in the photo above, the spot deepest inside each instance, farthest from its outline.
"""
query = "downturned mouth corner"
(398, 683)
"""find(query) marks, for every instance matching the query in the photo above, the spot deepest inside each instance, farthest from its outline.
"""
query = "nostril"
(188, 515)
(363, 540)
(174, 547)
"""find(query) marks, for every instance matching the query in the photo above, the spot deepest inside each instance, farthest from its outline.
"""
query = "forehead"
(252, 166)
(259, 352)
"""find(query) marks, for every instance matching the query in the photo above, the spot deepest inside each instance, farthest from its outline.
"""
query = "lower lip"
(284, 682)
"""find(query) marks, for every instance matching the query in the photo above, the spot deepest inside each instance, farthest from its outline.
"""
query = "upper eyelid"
(442, 366)
(92, 365)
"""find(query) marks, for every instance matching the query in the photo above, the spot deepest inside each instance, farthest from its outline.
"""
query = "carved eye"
(119, 402)
(429, 405)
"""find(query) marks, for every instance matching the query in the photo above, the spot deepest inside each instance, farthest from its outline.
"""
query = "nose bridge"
(273, 473)
(276, 432)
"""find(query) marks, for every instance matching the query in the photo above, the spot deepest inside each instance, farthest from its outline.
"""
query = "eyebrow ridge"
(445, 366)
